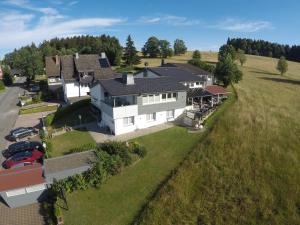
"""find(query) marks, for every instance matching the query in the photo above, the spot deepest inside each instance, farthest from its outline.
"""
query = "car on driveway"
(22, 146)
(22, 132)
(22, 157)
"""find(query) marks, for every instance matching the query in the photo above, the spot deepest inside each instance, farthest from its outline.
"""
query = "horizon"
(25, 21)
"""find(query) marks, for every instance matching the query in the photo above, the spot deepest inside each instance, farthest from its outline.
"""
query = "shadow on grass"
(264, 72)
(281, 80)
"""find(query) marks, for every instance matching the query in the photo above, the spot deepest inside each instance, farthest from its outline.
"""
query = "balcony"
(54, 81)
(120, 107)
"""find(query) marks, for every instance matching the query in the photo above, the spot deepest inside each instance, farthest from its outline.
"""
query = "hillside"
(247, 170)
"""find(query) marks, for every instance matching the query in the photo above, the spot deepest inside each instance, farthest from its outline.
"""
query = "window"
(169, 95)
(174, 95)
(163, 97)
(128, 121)
(150, 117)
(197, 83)
(170, 114)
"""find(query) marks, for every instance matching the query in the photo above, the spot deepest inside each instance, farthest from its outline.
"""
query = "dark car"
(21, 147)
(21, 132)
(34, 88)
(22, 158)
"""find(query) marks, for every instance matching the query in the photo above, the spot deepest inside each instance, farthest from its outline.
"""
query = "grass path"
(247, 171)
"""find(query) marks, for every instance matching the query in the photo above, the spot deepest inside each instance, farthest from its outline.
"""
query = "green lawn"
(120, 199)
(73, 139)
(38, 109)
(247, 170)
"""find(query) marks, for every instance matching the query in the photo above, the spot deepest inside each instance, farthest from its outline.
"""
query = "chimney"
(76, 55)
(56, 60)
(103, 55)
(128, 78)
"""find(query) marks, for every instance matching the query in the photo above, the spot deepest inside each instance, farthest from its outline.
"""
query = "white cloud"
(24, 4)
(169, 20)
(73, 3)
(243, 26)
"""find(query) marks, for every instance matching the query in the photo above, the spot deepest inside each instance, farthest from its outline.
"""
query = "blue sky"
(203, 25)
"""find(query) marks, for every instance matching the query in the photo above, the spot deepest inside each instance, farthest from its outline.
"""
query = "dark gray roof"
(115, 87)
(68, 67)
(188, 67)
(52, 67)
(177, 74)
(197, 92)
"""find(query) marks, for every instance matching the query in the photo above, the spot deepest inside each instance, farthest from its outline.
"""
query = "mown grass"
(247, 169)
(63, 143)
(38, 109)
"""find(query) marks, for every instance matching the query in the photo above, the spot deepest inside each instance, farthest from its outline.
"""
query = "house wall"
(159, 107)
(24, 199)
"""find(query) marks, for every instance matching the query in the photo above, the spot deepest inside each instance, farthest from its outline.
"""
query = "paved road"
(9, 110)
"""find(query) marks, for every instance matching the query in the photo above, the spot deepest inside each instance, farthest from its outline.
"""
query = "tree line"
(265, 48)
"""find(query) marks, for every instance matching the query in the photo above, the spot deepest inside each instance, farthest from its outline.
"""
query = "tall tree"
(7, 78)
(227, 71)
(165, 48)
(282, 65)
(151, 47)
(179, 47)
(240, 55)
(130, 53)
(196, 54)
(226, 50)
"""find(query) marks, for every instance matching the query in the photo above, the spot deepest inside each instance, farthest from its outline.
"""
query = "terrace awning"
(198, 93)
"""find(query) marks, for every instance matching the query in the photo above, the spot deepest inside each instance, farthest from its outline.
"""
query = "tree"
(282, 65)
(196, 54)
(226, 50)
(7, 78)
(165, 49)
(151, 47)
(130, 53)
(240, 55)
(179, 47)
(227, 71)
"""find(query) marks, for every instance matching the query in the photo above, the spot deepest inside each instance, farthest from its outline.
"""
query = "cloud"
(169, 20)
(73, 3)
(24, 4)
(19, 29)
(243, 26)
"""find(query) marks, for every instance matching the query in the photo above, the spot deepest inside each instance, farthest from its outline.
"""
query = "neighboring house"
(16, 72)
(128, 103)
(75, 73)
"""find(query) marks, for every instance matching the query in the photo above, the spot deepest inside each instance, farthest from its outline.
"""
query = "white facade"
(74, 89)
(125, 119)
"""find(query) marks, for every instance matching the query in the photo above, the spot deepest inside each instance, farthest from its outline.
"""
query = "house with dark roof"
(150, 97)
(75, 73)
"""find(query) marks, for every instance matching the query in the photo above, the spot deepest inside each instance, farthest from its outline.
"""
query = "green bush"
(138, 149)
(37, 98)
(48, 120)
(2, 86)
(83, 148)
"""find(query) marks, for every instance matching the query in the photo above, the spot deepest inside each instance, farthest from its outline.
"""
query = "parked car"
(21, 147)
(21, 132)
(34, 88)
(21, 165)
(22, 157)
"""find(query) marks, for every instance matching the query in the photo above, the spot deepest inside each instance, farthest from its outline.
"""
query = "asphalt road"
(9, 110)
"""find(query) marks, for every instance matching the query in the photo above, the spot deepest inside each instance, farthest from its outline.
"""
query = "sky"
(203, 25)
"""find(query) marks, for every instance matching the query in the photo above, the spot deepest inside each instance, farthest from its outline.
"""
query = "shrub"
(70, 108)
(83, 148)
(48, 120)
(37, 98)
(138, 149)
(2, 86)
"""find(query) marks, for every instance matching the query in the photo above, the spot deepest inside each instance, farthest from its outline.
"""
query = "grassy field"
(247, 170)
(119, 200)
(70, 140)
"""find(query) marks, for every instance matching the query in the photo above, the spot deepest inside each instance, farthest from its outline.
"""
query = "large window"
(150, 117)
(170, 114)
(159, 98)
(128, 121)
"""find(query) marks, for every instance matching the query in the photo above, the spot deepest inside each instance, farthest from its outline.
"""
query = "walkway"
(99, 136)
(30, 214)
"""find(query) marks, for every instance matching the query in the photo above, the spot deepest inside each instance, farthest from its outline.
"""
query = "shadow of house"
(281, 80)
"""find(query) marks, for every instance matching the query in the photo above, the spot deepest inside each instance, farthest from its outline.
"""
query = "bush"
(48, 120)
(138, 149)
(83, 148)
(37, 98)
(2, 86)
(70, 108)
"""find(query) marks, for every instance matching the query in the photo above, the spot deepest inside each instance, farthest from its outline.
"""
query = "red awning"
(21, 177)
(215, 89)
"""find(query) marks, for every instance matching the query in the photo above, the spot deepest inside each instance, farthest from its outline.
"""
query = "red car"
(22, 157)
